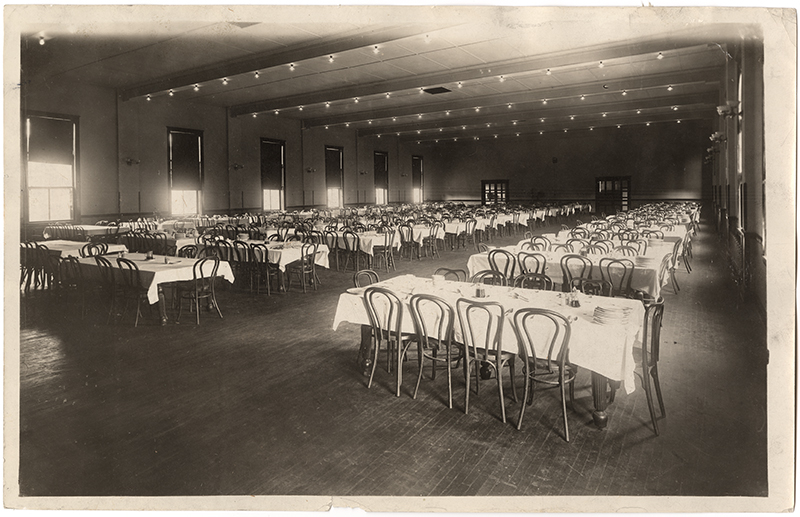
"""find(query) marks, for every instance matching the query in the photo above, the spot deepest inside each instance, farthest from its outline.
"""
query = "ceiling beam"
(683, 101)
(508, 68)
(349, 41)
(526, 97)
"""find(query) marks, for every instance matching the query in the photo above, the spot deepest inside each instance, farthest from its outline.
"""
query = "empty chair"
(200, 287)
(532, 262)
(383, 249)
(305, 269)
(595, 287)
(540, 243)
(651, 341)
(132, 286)
(107, 286)
(543, 341)
(574, 266)
(468, 235)
(457, 275)
(577, 244)
(482, 335)
(407, 243)
(618, 272)
(385, 312)
(365, 277)
(562, 248)
(262, 270)
(627, 251)
(503, 261)
(188, 251)
(92, 249)
(534, 281)
(434, 320)
(489, 276)
(595, 249)
(352, 246)
(527, 246)
(71, 279)
(483, 247)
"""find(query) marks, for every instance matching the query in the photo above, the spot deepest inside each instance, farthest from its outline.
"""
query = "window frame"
(282, 191)
(76, 176)
(201, 163)
(328, 189)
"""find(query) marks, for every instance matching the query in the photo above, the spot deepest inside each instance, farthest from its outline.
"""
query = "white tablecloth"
(73, 248)
(605, 349)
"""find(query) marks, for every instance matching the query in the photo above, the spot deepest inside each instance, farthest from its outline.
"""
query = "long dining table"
(154, 274)
(64, 248)
(604, 349)
(646, 275)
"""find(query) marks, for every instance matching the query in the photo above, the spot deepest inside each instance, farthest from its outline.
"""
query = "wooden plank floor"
(269, 401)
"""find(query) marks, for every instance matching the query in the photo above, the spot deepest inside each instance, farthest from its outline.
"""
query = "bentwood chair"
(365, 277)
(619, 273)
(188, 251)
(352, 249)
(132, 286)
(503, 261)
(331, 239)
(468, 235)
(108, 286)
(407, 243)
(482, 335)
(305, 269)
(200, 287)
(540, 243)
(385, 312)
(489, 276)
(92, 249)
(595, 287)
(384, 249)
(574, 266)
(71, 280)
(543, 341)
(434, 319)
(651, 341)
(262, 271)
(532, 262)
(534, 281)
(457, 275)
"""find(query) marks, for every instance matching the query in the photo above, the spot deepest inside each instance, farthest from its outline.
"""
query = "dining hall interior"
(236, 226)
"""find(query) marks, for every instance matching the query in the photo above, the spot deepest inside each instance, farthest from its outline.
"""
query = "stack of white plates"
(612, 315)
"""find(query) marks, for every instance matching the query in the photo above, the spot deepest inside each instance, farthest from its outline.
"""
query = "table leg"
(162, 305)
(600, 394)
(364, 358)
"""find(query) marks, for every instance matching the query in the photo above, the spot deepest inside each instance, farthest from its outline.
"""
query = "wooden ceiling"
(499, 71)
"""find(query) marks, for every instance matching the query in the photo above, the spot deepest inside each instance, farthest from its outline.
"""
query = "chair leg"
(649, 395)
(467, 368)
(526, 388)
(564, 405)
(499, 370)
(420, 357)
(654, 374)
(376, 345)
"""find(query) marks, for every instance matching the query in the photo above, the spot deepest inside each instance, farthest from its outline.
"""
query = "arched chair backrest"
(538, 241)
(489, 276)
(365, 277)
(503, 261)
(188, 251)
(481, 327)
(457, 275)
(619, 272)
(532, 262)
(573, 266)
(534, 281)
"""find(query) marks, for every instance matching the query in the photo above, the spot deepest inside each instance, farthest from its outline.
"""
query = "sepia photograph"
(399, 258)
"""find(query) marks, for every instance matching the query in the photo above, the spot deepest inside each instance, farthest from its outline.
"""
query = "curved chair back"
(365, 277)
(434, 320)
(188, 251)
(595, 287)
(532, 262)
(627, 251)
(131, 279)
(575, 266)
(563, 248)
(540, 243)
(458, 275)
(534, 281)
(619, 273)
(481, 327)
(385, 312)
(503, 261)
(489, 276)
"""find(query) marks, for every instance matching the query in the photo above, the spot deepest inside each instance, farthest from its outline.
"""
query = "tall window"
(334, 170)
(51, 164)
(381, 177)
(273, 173)
(416, 179)
(185, 170)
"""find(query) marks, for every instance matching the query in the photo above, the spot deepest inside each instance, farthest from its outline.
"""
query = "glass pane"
(49, 175)
(60, 203)
(417, 195)
(184, 202)
(272, 199)
(334, 198)
(380, 196)
(38, 204)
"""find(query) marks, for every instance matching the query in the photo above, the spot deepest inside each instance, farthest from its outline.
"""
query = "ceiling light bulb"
(387, 95)
(437, 140)
(291, 67)
(502, 79)
(398, 134)
(495, 136)
(375, 49)
(417, 142)
(604, 114)
(618, 126)
(541, 132)
(369, 121)
(624, 92)
(488, 125)
(347, 124)
(638, 112)
(196, 87)
(674, 108)
(548, 72)
(327, 104)
(394, 119)
(276, 112)
(572, 117)
(591, 128)
(660, 56)
(255, 115)
(379, 136)
(463, 127)
(455, 140)
(460, 84)
(419, 115)
(509, 105)
(256, 74)
(541, 120)
(517, 134)
(514, 122)
(422, 90)
(679, 121)
(330, 59)
(171, 93)
(476, 138)
(565, 130)
(447, 112)
(326, 127)
(648, 124)
(583, 97)
(477, 108)
(669, 88)
(148, 97)
(300, 108)
(224, 80)
(544, 101)
(440, 130)
(600, 65)
(419, 131)
(355, 100)
(41, 40)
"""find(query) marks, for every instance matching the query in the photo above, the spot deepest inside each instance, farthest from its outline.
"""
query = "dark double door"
(612, 194)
